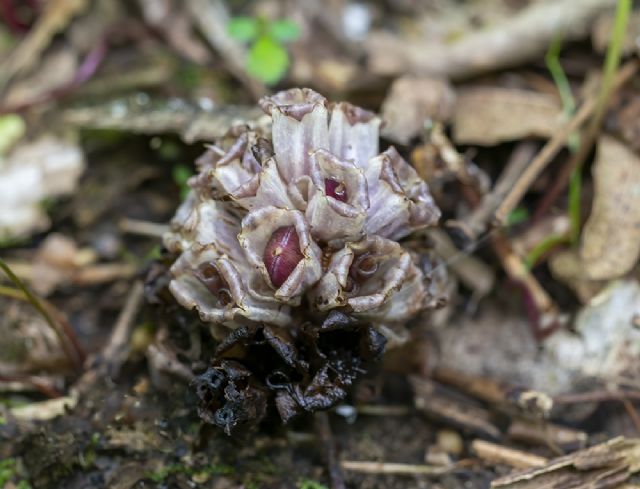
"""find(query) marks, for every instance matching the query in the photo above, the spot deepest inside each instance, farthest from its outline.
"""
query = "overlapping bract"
(311, 210)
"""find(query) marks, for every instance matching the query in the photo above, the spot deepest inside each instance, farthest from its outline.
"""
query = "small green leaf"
(243, 28)
(284, 30)
(267, 60)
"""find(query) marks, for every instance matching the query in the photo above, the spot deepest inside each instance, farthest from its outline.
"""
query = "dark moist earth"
(130, 436)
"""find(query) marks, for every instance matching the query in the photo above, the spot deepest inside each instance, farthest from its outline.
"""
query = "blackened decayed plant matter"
(302, 369)
(286, 227)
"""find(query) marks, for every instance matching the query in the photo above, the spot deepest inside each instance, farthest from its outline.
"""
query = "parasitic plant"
(295, 227)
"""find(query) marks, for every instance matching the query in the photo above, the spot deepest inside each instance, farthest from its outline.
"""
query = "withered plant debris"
(611, 236)
(490, 115)
(258, 367)
(608, 464)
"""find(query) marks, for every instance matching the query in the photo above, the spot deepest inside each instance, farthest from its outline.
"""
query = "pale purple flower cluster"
(308, 215)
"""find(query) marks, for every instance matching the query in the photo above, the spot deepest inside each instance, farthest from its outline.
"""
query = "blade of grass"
(612, 59)
(63, 331)
(552, 60)
(612, 79)
(12, 292)
(543, 247)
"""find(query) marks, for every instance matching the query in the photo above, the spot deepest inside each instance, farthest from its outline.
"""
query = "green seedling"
(267, 59)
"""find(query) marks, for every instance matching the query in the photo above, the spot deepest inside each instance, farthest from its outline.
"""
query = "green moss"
(7, 470)
(310, 484)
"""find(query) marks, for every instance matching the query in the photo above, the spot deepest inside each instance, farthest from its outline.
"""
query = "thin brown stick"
(115, 353)
(82, 275)
(578, 159)
(323, 428)
(539, 163)
(117, 350)
(477, 222)
(436, 402)
(553, 146)
(392, 468)
(539, 432)
(633, 414)
(543, 310)
(499, 454)
(143, 228)
(381, 410)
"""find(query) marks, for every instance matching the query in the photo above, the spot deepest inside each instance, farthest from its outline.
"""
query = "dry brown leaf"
(411, 101)
(611, 237)
(608, 464)
(491, 115)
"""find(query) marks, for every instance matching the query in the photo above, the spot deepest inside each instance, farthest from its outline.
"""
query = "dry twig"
(323, 428)
(477, 222)
(435, 402)
(546, 434)
(608, 464)
(117, 349)
(502, 395)
(392, 468)
(543, 311)
(553, 146)
(500, 454)
(142, 228)
(83, 275)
